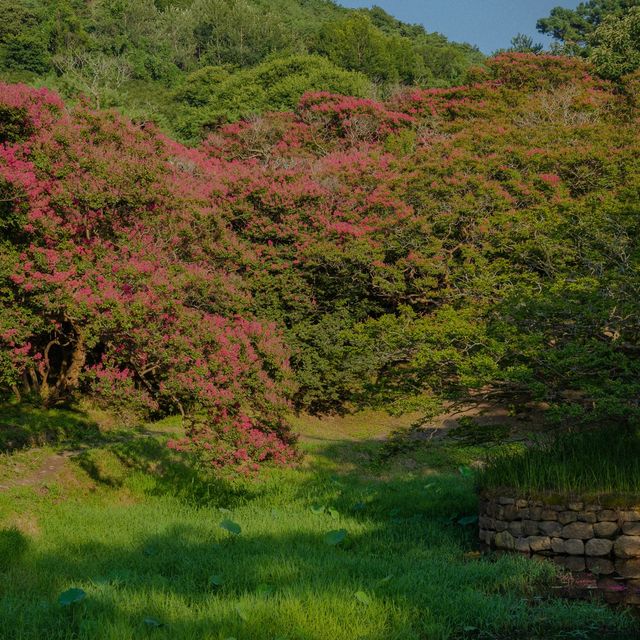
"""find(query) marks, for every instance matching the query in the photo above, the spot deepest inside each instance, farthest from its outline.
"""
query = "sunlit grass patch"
(329, 550)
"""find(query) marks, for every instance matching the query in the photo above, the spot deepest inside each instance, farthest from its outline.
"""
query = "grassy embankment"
(599, 465)
(135, 528)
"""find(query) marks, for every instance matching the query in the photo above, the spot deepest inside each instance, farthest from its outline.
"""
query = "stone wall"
(608, 539)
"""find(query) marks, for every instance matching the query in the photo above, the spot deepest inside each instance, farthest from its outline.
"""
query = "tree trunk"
(69, 378)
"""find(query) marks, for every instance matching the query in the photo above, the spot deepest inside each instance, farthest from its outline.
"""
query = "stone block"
(522, 545)
(504, 540)
(631, 528)
(627, 547)
(515, 528)
(549, 514)
(587, 516)
(524, 513)
(506, 500)
(598, 547)
(510, 512)
(593, 507)
(575, 506)
(500, 525)
(607, 515)
(565, 517)
(601, 566)
(558, 545)
(628, 568)
(581, 530)
(605, 529)
(572, 563)
(535, 512)
(632, 515)
(550, 528)
(574, 547)
(530, 528)
(539, 543)
(522, 504)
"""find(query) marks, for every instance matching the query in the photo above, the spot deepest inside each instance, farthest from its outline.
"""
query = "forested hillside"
(472, 241)
(191, 64)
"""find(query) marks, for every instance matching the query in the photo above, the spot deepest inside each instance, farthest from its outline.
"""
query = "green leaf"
(71, 596)
(467, 520)
(231, 527)
(153, 622)
(317, 509)
(334, 513)
(216, 581)
(386, 579)
(264, 590)
(334, 538)
(465, 472)
(362, 598)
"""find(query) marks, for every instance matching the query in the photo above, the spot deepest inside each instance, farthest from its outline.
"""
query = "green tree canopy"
(616, 41)
(573, 28)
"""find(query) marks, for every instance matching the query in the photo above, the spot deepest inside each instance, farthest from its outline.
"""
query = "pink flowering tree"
(119, 277)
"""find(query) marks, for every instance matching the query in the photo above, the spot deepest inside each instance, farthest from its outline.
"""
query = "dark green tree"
(573, 28)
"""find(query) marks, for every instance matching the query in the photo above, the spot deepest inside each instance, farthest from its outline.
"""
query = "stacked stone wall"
(606, 539)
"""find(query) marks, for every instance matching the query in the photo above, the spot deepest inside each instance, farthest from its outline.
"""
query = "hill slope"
(133, 53)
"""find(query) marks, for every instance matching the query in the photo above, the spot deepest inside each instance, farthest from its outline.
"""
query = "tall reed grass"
(596, 462)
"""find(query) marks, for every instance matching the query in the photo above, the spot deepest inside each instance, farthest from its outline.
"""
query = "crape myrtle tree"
(119, 278)
(460, 244)
(466, 243)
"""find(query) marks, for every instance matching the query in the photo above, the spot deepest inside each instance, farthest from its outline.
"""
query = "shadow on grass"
(26, 425)
(13, 545)
(404, 549)
(161, 472)
(278, 584)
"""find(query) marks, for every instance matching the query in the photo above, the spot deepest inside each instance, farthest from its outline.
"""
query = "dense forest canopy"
(445, 244)
(144, 56)
(367, 215)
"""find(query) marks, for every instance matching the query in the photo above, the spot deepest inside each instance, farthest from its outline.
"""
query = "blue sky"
(489, 24)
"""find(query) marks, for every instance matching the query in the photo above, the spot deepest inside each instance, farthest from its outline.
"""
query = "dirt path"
(49, 469)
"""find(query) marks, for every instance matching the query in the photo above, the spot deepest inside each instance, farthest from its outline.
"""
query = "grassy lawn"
(139, 531)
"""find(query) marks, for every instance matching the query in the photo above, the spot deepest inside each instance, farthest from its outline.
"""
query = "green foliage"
(616, 45)
(130, 53)
(356, 43)
(212, 95)
(522, 43)
(574, 28)
(418, 259)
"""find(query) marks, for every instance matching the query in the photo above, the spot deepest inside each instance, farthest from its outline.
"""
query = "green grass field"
(139, 532)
